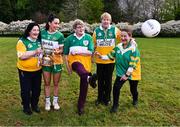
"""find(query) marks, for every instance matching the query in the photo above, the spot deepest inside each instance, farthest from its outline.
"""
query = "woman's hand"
(69, 70)
(38, 51)
(124, 78)
(58, 51)
(98, 54)
(29, 54)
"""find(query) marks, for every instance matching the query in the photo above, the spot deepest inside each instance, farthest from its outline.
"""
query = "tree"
(167, 12)
(177, 14)
(91, 10)
(40, 9)
(170, 10)
(112, 7)
(5, 11)
(156, 9)
(70, 9)
(22, 9)
(140, 10)
(131, 10)
(177, 9)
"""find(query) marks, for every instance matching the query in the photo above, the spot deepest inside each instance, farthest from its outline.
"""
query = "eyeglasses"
(80, 27)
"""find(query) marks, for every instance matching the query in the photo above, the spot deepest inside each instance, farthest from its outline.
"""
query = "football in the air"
(151, 28)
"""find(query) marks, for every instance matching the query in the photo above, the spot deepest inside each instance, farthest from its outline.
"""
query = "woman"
(78, 49)
(105, 37)
(52, 41)
(28, 50)
(127, 67)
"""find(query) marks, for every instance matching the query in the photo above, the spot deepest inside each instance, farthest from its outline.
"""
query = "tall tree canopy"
(90, 10)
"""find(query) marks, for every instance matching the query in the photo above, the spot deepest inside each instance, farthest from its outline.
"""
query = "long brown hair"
(50, 19)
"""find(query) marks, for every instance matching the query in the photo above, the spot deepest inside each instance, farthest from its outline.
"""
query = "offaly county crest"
(54, 38)
(99, 34)
(118, 51)
(110, 34)
(85, 42)
(30, 46)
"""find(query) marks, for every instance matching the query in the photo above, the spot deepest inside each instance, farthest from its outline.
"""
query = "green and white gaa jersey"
(125, 58)
(84, 42)
(51, 41)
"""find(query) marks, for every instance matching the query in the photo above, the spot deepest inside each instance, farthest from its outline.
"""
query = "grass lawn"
(159, 92)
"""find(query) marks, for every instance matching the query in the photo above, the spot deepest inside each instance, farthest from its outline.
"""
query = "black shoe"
(27, 111)
(36, 109)
(92, 80)
(80, 112)
(107, 103)
(97, 102)
(114, 109)
(135, 103)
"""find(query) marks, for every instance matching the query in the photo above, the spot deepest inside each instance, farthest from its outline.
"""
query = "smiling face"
(34, 33)
(79, 30)
(106, 21)
(53, 26)
(125, 37)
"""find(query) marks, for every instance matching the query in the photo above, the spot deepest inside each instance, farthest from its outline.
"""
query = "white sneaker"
(48, 106)
(56, 105)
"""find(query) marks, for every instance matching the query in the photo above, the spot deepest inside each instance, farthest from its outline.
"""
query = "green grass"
(159, 92)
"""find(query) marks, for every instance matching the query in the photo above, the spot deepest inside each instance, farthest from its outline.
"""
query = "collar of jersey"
(51, 32)
(32, 40)
(129, 47)
(79, 38)
(103, 28)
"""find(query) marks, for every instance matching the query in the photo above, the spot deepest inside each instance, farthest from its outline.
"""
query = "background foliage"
(131, 11)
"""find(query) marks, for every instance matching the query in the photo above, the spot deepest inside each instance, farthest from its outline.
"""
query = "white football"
(151, 28)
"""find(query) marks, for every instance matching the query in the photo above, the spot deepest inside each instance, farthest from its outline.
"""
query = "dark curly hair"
(29, 28)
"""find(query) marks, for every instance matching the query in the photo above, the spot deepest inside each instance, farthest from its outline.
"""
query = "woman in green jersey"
(28, 64)
(52, 43)
(78, 51)
(127, 67)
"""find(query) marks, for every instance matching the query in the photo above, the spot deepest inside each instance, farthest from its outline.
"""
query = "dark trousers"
(104, 74)
(83, 74)
(117, 87)
(30, 83)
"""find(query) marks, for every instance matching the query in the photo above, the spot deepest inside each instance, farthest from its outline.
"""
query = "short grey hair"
(78, 22)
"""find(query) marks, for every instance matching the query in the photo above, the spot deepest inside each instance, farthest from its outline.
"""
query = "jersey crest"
(99, 34)
(30, 45)
(85, 42)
